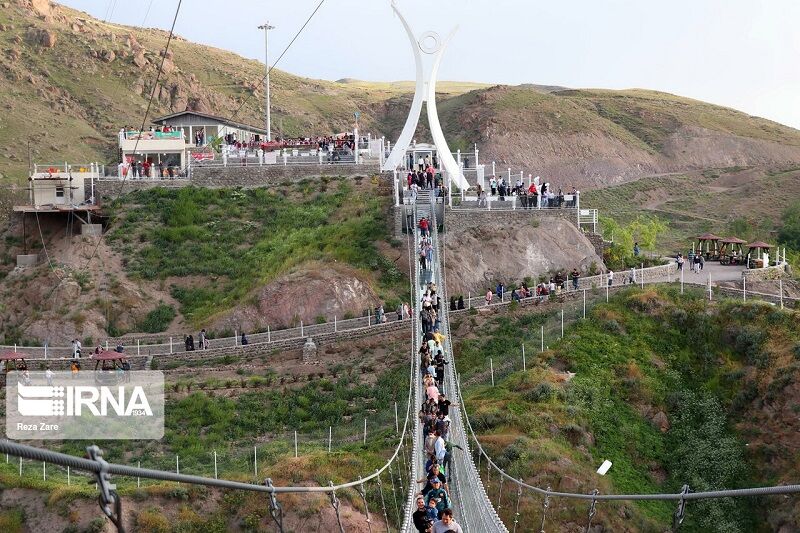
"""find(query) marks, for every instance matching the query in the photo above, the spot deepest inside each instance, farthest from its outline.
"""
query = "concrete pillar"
(27, 260)
(92, 230)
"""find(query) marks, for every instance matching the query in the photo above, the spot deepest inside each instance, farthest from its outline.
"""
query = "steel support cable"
(414, 393)
(335, 505)
(144, 120)
(383, 502)
(488, 516)
(729, 493)
(274, 64)
(363, 495)
(79, 463)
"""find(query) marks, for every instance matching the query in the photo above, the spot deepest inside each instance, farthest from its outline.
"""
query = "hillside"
(745, 202)
(593, 138)
(177, 260)
(670, 388)
(71, 81)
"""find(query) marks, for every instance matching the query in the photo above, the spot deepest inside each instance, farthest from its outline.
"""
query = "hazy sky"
(739, 53)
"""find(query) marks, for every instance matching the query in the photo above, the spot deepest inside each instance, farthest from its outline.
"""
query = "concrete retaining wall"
(457, 220)
(107, 189)
(764, 274)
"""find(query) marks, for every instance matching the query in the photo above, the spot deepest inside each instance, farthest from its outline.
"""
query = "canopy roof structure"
(733, 240)
(106, 355)
(11, 355)
(759, 244)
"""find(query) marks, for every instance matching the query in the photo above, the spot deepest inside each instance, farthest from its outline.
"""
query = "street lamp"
(267, 119)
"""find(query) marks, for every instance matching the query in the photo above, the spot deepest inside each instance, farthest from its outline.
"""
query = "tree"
(789, 233)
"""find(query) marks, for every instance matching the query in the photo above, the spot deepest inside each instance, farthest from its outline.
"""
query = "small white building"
(59, 189)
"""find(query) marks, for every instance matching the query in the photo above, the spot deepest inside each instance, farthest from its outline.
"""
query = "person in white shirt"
(447, 523)
(610, 277)
(48, 374)
(439, 448)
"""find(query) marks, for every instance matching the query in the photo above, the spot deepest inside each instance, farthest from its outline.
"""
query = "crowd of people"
(530, 197)
(148, 169)
(434, 505)
(425, 178)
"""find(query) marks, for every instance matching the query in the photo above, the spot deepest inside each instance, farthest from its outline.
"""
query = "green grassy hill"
(670, 388)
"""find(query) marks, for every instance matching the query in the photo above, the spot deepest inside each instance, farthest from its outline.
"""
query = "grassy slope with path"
(743, 202)
(720, 380)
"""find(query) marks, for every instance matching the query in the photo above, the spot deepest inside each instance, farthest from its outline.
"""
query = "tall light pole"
(267, 119)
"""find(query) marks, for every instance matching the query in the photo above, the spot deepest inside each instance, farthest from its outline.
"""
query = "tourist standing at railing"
(493, 185)
(575, 275)
(202, 339)
(632, 276)
(489, 297)
(533, 196)
(461, 302)
(610, 277)
(501, 289)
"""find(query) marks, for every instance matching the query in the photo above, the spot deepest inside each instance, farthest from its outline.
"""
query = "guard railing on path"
(134, 346)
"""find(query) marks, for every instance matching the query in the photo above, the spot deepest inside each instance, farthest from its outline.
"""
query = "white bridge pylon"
(431, 44)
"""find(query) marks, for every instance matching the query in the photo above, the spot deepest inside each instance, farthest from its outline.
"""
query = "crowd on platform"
(530, 197)
(425, 178)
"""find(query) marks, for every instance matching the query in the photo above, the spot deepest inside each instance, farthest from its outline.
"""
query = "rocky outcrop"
(490, 251)
(315, 290)
(39, 37)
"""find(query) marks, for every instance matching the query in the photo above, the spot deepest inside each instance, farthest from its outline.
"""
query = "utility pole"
(267, 118)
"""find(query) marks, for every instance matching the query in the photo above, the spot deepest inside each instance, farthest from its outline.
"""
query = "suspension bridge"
(473, 508)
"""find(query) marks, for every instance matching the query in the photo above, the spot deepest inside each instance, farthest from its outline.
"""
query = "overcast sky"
(739, 53)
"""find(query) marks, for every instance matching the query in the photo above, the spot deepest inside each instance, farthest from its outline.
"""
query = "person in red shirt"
(533, 201)
(423, 227)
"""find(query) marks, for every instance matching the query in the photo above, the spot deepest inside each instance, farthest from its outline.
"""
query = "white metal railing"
(134, 346)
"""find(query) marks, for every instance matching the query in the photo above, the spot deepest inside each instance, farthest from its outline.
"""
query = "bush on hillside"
(157, 320)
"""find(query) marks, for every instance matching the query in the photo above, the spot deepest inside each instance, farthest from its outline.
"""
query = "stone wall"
(179, 356)
(259, 176)
(598, 242)
(266, 348)
(458, 220)
(764, 274)
(107, 189)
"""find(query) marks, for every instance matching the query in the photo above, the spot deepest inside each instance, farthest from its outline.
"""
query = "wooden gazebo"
(17, 359)
(755, 254)
(732, 251)
(109, 360)
(708, 246)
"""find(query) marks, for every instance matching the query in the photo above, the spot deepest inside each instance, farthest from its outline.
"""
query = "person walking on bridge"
(423, 227)
(447, 523)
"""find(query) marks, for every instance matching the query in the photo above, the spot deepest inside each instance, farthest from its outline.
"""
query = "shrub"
(12, 520)
(158, 319)
(540, 393)
(153, 521)
(97, 525)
